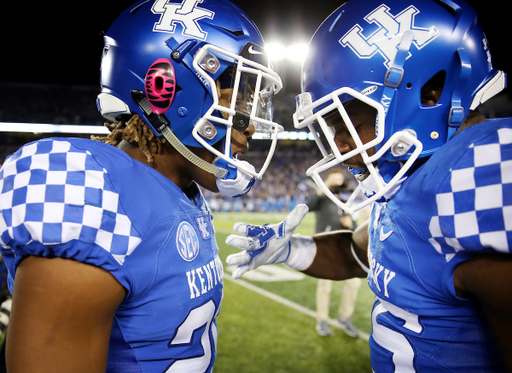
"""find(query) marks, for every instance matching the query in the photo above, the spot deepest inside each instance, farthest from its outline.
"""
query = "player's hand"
(267, 244)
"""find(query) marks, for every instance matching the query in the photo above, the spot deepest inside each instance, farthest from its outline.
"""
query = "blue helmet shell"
(151, 30)
(357, 44)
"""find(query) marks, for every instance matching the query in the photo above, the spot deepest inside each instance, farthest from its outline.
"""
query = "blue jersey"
(91, 202)
(458, 204)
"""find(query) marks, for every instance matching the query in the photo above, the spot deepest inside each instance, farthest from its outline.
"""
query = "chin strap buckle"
(395, 72)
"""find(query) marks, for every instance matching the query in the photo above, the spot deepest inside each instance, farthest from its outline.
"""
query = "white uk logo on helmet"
(187, 14)
(387, 37)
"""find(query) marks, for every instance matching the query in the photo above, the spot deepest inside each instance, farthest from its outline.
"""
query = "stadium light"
(296, 52)
(285, 135)
(39, 128)
(277, 51)
(53, 128)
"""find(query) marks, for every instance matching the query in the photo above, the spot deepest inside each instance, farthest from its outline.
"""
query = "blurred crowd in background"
(283, 186)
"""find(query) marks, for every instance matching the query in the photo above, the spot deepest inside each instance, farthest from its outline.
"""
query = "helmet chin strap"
(395, 72)
(218, 172)
(392, 81)
(388, 170)
(162, 125)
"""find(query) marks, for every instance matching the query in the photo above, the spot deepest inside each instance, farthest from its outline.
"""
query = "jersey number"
(195, 320)
(403, 353)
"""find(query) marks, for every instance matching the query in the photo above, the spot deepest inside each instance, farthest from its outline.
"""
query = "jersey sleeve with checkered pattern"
(474, 202)
(53, 195)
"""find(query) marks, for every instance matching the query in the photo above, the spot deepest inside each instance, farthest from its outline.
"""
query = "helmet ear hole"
(433, 88)
(160, 85)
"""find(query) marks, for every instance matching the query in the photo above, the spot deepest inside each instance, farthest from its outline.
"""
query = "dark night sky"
(48, 42)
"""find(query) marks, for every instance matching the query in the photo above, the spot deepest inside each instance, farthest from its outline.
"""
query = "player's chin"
(354, 164)
(209, 182)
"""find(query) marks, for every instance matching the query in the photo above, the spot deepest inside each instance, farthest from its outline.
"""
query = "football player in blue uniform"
(391, 89)
(111, 250)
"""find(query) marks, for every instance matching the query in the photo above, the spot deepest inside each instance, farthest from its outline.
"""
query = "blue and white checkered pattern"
(475, 206)
(52, 192)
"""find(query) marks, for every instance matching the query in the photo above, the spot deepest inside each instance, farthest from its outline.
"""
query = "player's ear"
(432, 90)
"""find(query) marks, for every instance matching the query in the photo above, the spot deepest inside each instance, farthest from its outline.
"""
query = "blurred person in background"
(329, 217)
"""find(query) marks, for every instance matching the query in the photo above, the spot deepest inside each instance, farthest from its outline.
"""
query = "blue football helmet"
(168, 60)
(383, 53)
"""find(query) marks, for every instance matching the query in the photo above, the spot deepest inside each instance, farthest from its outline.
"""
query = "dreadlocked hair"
(137, 133)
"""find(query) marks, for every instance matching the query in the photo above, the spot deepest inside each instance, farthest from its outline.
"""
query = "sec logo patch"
(187, 242)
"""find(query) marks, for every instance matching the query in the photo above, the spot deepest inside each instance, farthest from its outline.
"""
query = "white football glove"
(271, 244)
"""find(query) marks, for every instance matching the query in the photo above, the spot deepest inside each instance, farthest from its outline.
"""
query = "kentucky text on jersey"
(385, 277)
(202, 279)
